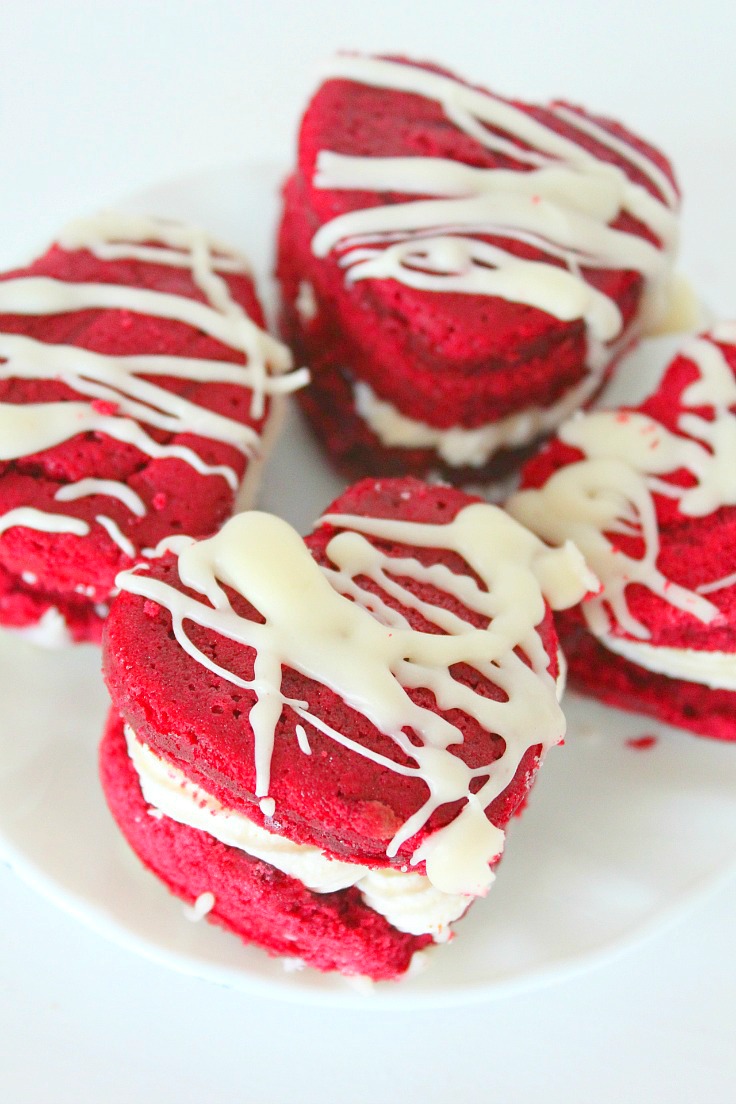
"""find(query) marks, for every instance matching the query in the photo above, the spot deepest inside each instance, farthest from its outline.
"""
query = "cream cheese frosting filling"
(472, 447)
(407, 900)
(714, 669)
(321, 623)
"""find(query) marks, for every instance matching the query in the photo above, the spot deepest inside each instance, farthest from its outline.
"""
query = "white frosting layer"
(473, 447)
(628, 456)
(323, 624)
(408, 901)
(714, 669)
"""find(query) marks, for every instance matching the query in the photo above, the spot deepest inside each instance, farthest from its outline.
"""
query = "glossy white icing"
(717, 584)
(612, 490)
(134, 230)
(325, 625)
(267, 805)
(118, 380)
(26, 429)
(30, 518)
(562, 201)
(84, 488)
(469, 108)
(116, 535)
(203, 905)
(408, 901)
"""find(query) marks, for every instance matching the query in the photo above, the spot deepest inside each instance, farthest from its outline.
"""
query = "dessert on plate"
(320, 742)
(648, 495)
(136, 381)
(461, 271)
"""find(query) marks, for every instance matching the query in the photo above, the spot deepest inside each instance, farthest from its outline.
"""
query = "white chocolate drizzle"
(120, 400)
(561, 202)
(323, 624)
(203, 905)
(717, 584)
(30, 518)
(111, 487)
(116, 535)
(612, 491)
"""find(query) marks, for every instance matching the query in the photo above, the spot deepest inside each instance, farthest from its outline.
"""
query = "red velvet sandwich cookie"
(461, 271)
(649, 497)
(324, 740)
(135, 383)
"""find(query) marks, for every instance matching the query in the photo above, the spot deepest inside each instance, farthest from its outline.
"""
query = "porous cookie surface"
(380, 695)
(461, 271)
(648, 496)
(135, 382)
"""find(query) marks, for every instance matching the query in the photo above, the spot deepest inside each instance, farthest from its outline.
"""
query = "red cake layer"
(75, 574)
(342, 802)
(446, 359)
(330, 931)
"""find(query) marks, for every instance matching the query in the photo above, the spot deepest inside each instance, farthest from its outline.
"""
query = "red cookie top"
(648, 495)
(132, 366)
(404, 685)
(576, 193)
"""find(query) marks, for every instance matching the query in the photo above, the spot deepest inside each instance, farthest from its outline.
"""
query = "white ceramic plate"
(615, 840)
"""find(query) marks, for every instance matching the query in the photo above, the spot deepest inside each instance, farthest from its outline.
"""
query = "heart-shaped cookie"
(649, 497)
(459, 270)
(135, 384)
(330, 736)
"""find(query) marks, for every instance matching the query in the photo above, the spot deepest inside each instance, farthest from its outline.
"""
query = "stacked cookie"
(649, 497)
(460, 271)
(337, 731)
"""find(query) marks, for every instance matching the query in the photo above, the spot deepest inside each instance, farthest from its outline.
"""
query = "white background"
(98, 99)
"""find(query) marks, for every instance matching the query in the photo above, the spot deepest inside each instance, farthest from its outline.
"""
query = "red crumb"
(642, 743)
(103, 406)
